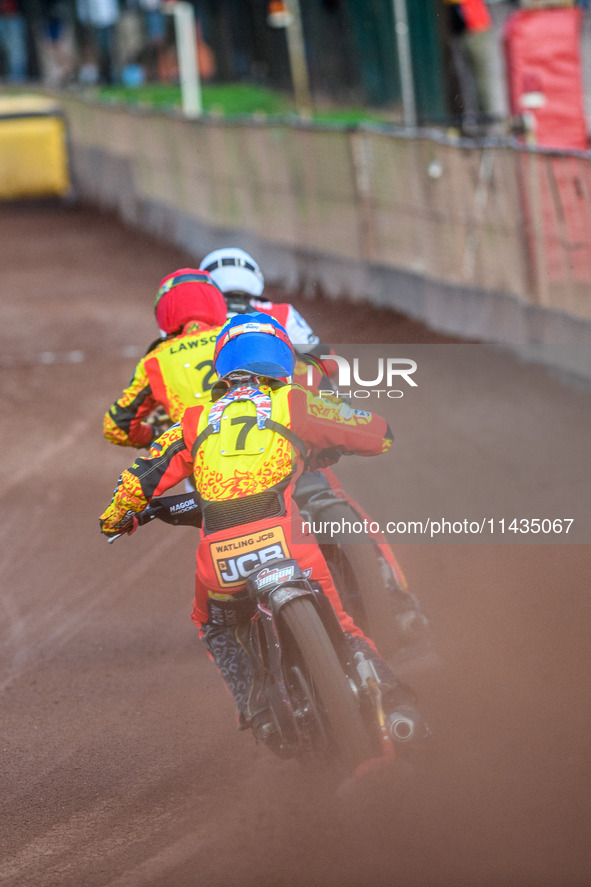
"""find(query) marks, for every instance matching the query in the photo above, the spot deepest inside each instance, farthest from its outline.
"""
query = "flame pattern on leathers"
(128, 496)
(221, 476)
(218, 486)
(175, 374)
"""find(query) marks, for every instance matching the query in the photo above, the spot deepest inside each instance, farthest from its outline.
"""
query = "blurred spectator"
(96, 21)
(155, 21)
(13, 40)
(156, 26)
(131, 40)
(55, 42)
(472, 43)
(141, 36)
(168, 70)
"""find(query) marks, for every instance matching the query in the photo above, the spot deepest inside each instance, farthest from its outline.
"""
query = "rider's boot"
(412, 623)
(265, 730)
(256, 713)
(234, 665)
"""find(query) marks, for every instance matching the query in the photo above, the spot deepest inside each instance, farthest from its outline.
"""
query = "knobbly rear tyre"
(356, 572)
(380, 616)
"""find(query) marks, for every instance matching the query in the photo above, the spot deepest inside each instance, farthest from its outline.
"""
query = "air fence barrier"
(489, 241)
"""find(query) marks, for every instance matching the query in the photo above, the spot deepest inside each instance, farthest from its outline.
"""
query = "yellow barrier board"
(33, 148)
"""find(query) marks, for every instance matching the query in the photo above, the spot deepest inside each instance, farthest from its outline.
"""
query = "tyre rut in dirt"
(321, 663)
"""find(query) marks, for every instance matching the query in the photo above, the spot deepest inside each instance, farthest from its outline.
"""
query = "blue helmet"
(254, 343)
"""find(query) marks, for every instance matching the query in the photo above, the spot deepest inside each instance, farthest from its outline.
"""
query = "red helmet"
(188, 294)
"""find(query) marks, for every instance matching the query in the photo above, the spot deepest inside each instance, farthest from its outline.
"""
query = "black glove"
(324, 458)
(160, 422)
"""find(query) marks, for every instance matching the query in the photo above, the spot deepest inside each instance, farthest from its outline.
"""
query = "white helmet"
(234, 271)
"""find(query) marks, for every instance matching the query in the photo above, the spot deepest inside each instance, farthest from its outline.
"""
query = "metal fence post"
(186, 46)
(405, 62)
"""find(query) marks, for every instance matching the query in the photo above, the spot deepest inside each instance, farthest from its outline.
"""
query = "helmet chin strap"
(238, 303)
(237, 379)
(239, 295)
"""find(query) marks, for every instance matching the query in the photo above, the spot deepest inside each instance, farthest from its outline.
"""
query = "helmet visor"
(236, 275)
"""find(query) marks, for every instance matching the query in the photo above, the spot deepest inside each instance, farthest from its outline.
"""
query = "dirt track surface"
(121, 764)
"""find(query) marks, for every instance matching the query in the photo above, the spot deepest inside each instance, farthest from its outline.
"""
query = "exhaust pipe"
(413, 624)
(405, 725)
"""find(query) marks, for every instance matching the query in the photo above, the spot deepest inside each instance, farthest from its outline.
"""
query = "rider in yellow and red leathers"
(241, 280)
(178, 370)
(245, 449)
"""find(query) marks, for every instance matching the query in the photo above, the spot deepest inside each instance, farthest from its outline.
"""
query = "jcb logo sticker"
(233, 559)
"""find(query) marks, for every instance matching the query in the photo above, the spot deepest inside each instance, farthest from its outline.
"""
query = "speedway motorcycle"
(325, 701)
(368, 588)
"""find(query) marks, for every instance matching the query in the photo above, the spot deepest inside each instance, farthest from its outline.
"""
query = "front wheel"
(312, 666)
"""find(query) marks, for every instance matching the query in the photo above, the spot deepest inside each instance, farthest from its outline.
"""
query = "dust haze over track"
(121, 764)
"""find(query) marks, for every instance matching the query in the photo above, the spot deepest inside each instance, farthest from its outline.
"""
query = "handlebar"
(182, 509)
